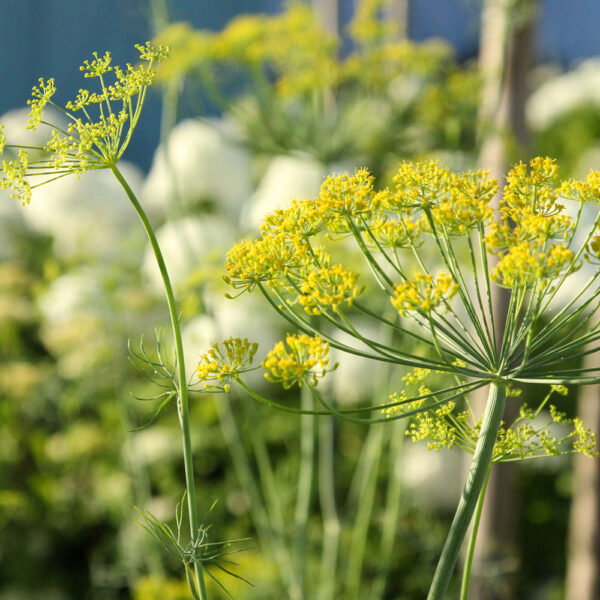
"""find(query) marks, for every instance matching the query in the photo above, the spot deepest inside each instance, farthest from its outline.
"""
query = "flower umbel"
(98, 137)
(224, 361)
(305, 360)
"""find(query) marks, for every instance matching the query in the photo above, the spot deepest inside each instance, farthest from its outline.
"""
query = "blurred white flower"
(155, 444)
(90, 217)
(70, 295)
(405, 89)
(556, 97)
(16, 132)
(354, 378)
(187, 245)
(435, 478)
(76, 324)
(197, 336)
(202, 162)
(286, 178)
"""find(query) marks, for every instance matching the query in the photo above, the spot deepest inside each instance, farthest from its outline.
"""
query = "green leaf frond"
(213, 556)
(157, 366)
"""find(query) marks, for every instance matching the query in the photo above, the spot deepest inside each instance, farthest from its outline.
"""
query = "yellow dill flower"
(188, 50)
(305, 360)
(302, 219)
(368, 26)
(434, 427)
(349, 195)
(40, 97)
(90, 141)
(418, 185)
(224, 361)
(415, 376)
(243, 40)
(468, 204)
(526, 264)
(2, 139)
(265, 260)
(326, 287)
(587, 190)
(531, 189)
(424, 294)
(401, 232)
(14, 178)
(405, 406)
(593, 250)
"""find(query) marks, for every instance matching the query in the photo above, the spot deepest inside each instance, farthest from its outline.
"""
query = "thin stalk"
(182, 399)
(392, 506)
(305, 483)
(269, 527)
(464, 588)
(366, 497)
(327, 500)
(492, 419)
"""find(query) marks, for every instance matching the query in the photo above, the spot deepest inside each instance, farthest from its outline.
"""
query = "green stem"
(182, 400)
(368, 470)
(492, 419)
(331, 522)
(305, 484)
(473, 538)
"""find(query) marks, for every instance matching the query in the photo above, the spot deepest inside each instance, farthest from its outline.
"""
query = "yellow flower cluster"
(305, 360)
(367, 26)
(532, 232)
(526, 264)
(14, 178)
(302, 219)
(419, 185)
(87, 143)
(327, 286)
(292, 44)
(40, 97)
(396, 233)
(434, 427)
(468, 204)
(349, 196)
(269, 259)
(587, 191)
(424, 293)
(224, 361)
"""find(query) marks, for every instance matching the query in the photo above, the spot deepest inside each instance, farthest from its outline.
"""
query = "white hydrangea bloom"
(286, 178)
(563, 94)
(90, 216)
(202, 161)
(188, 244)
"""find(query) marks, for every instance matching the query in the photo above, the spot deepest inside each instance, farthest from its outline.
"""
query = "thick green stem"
(464, 588)
(492, 419)
(182, 400)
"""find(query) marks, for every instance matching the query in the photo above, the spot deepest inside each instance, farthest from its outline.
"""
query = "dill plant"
(100, 126)
(429, 241)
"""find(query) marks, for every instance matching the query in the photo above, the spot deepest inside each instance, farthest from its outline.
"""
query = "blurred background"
(258, 102)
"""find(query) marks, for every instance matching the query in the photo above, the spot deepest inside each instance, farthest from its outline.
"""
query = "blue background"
(51, 38)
